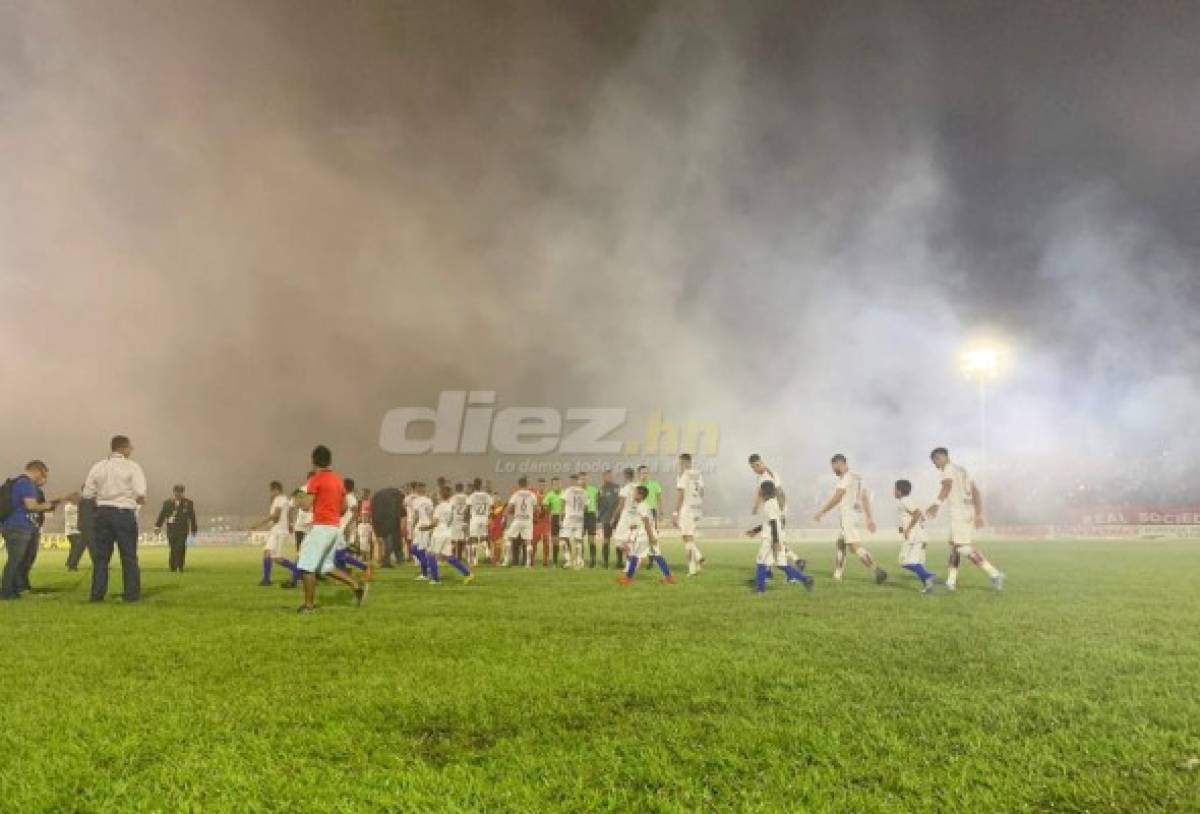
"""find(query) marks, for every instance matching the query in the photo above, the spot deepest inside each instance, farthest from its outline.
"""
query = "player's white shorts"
(962, 530)
(479, 528)
(627, 527)
(571, 528)
(441, 542)
(912, 552)
(522, 529)
(275, 542)
(851, 532)
(640, 545)
(687, 521)
(458, 532)
(772, 555)
(421, 539)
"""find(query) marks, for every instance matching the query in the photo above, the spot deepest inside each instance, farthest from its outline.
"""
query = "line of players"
(958, 494)
(464, 529)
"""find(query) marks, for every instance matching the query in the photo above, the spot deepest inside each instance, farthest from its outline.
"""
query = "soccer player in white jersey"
(422, 514)
(479, 510)
(368, 546)
(349, 520)
(570, 530)
(458, 520)
(441, 540)
(522, 505)
(643, 537)
(766, 474)
(625, 514)
(343, 557)
(410, 519)
(961, 495)
(853, 501)
(771, 551)
(278, 536)
(689, 506)
(911, 522)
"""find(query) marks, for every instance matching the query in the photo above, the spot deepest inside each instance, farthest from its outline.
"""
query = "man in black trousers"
(118, 486)
(179, 513)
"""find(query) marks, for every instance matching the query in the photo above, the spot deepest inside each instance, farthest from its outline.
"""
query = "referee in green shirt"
(654, 498)
(553, 501)
(589, 516)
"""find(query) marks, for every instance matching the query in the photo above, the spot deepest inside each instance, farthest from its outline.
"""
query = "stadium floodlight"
(981, 364)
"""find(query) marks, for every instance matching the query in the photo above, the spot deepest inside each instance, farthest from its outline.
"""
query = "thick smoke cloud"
(232, 230)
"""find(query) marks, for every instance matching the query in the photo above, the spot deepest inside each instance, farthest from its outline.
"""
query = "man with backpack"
(21, 504)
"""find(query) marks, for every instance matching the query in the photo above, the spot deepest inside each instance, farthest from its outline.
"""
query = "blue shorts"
(316, 553)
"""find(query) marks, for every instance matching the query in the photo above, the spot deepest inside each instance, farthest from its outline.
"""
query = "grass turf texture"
(1074, 690)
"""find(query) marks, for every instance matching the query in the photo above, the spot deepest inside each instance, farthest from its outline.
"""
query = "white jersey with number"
(691, 482)
(575, 501)
(480, 504)
(523, 503)
(961, 501)
(458, 503)
(422, 511)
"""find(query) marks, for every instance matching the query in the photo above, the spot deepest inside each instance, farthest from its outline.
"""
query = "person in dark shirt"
(179, 514)
(606, 510)
(22, 527)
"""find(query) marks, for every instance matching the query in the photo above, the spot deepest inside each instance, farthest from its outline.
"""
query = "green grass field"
(1075, 690)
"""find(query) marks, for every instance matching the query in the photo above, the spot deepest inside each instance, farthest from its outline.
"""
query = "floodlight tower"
(981, 364)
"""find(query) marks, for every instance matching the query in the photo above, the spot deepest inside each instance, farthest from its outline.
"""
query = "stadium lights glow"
(981, 361)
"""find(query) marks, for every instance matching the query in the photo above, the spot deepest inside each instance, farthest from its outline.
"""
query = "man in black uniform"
(179, 513)
(606, 511)
(386, 510)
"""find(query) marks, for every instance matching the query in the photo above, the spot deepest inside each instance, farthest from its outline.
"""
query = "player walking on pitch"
(912, 532)
(852, 498)
(278, 536)
(771, 552)
(643, 538)
(441, 539)
(689, 504)
(966, 514)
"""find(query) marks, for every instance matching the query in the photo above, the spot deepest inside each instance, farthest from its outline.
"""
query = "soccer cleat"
(624, 580)
(998, 582)
(468, 579)
(287, 585)
(435, 582)
(266, 583)
(420, 578)
(950, 586)
(669, 580)
(880, 576)
(929, 584)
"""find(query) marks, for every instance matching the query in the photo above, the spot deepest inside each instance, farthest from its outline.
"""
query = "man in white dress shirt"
(118, 486)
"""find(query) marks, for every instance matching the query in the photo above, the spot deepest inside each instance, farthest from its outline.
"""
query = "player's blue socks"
(662, 565)
(458, 565)
(632, 569)
(344, 558)
(760, 578)
(792, 572)
(266, 569)
(291, 566)
(919, 570)
(420, 555)
(433, 568)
